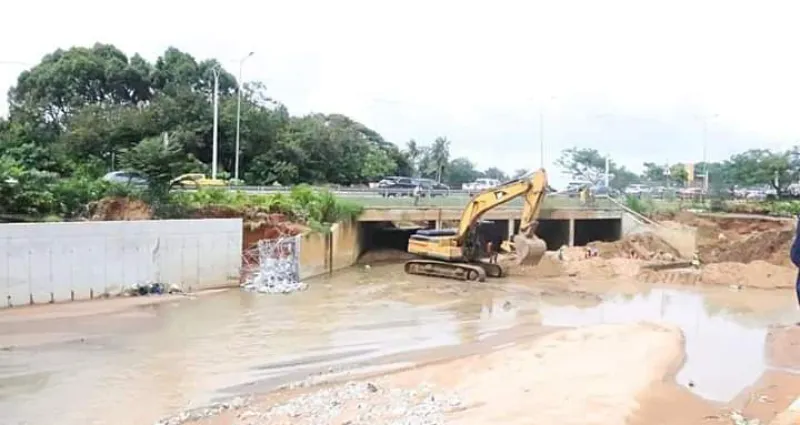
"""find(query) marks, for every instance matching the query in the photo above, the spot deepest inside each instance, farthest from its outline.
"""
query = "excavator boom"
(459, 251)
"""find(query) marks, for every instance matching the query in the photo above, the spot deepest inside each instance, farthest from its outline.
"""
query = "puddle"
(724, 353)
(171, 357)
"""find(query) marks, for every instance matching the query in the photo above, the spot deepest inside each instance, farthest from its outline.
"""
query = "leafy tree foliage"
(80, 109)
(590, 165)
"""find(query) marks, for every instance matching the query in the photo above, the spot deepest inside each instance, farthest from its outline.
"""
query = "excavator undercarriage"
(462, 253)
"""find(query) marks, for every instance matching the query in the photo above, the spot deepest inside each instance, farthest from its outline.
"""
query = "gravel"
(357, 403)
(353, 403)
(204, 412)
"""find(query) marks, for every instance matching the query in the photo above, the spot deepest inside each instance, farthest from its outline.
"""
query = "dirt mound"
(756, 274)
(549, 266)
(602, 268)
(258, 224)
(643, 245)
(771, 245)
(120, 208)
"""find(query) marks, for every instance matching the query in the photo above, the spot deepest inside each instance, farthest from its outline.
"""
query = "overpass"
(563, 221)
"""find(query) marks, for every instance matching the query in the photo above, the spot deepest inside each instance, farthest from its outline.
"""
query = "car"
(126, 178)
(480, 185)
(196, 180)
(396, 186)
(433, 187)
(637, 190)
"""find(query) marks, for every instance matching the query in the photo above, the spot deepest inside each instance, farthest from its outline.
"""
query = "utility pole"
(239, 115)
(541, 137)
(214, 147)
(705, 156)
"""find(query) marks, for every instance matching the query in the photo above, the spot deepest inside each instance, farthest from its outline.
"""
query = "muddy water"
(135, 366)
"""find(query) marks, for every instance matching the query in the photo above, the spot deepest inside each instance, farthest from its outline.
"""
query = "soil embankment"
(737, 252)
(531, 382)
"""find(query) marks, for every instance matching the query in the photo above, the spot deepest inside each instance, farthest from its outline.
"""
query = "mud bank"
(534, 382)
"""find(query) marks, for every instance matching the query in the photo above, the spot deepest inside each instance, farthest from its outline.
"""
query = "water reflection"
(723, 356)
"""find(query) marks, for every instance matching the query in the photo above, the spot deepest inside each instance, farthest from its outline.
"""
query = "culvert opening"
(386, 241)
(602, 230)
(555, 233)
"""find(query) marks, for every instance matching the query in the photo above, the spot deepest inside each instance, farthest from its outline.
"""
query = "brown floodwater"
(145, 362)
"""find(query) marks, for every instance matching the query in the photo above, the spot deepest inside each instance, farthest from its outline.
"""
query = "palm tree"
(413, 151)
(440, 155)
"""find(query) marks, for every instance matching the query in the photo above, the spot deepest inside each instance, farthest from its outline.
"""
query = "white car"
(126, 178)
(637, 189)
(480, 185)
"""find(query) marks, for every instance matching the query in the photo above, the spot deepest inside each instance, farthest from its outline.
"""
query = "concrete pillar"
(572, 232)
(511, 229)
(438, 224)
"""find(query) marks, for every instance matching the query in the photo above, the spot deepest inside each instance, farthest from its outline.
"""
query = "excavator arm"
(532, 188)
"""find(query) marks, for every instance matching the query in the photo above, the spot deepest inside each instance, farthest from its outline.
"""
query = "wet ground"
(139, 364)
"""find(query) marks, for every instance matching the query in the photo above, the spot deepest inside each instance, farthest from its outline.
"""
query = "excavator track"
(460, 271)
(492, 270)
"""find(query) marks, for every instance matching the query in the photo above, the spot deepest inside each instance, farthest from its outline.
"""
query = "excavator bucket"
(529, 250)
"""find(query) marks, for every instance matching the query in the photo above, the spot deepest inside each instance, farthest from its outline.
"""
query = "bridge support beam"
(438, 224)
(572, 232)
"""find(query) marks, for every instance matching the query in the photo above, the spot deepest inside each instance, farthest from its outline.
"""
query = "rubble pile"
(275, 268)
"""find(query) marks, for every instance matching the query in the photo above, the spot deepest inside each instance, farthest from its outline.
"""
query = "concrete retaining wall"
(64, 261)
(324, 253)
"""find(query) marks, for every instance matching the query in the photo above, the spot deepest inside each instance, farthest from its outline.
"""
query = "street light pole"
(541, 138)
(214, 147)
(239, 115)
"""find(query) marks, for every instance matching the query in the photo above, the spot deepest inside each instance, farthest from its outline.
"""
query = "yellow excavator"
(461, 253)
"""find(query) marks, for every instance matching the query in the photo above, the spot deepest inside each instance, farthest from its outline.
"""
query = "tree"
(495, 173)
(765, 167)
(159, 162)
(588, 164)
(678, 174)
(440, 155)
(519, 173)
(654, 172)
(460, 171)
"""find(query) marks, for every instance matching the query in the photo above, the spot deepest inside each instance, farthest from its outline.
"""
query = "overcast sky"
(633, 78)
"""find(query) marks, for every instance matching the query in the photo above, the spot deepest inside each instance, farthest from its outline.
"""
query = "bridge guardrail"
(402, 198)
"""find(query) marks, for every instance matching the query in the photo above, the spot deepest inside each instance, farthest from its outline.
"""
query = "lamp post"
(239, 115)
(541, 129)
(705, 150)
(214, 143)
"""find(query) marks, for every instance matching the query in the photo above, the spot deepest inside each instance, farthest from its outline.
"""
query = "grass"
(317, 208)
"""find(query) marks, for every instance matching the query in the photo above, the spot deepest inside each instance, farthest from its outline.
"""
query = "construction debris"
(276, 269)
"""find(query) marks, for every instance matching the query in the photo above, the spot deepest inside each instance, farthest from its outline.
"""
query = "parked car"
(396, 186)
(637, 190)
(126, 178)
(433, 187)
(196, 180)
(480, 185)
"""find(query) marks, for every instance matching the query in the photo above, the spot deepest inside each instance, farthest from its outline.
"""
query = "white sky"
(632, 78)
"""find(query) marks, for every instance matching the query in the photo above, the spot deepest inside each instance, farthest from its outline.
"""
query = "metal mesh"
(274, 267)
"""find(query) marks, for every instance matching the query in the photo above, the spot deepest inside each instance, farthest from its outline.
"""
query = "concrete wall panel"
(44, 261)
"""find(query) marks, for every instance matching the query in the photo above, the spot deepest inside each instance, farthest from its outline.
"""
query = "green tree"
(495, 173)
(460, 171)
(678, 174)
(589, 164)
(765, 167)
(653, 172)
